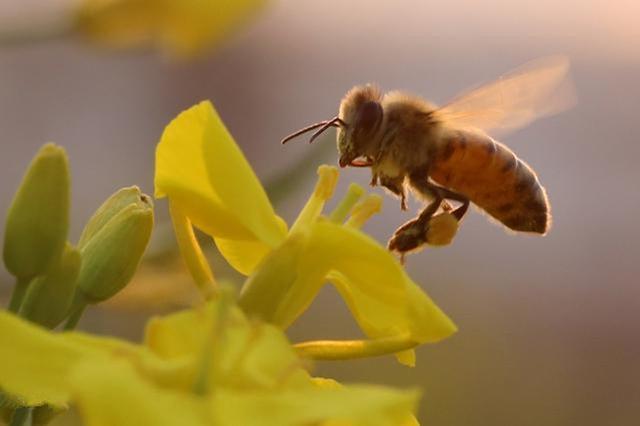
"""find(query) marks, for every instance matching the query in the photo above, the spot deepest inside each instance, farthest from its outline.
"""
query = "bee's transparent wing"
(537, 89)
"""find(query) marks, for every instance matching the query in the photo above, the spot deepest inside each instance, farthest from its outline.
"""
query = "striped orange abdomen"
(494, 178)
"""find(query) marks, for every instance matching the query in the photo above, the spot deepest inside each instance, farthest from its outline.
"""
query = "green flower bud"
(113, 244)
(38, 219)
(108, 210)
(49, 296)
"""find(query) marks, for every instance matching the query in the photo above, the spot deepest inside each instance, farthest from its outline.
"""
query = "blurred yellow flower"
(209, 184)
(180, 27)
(206, 366)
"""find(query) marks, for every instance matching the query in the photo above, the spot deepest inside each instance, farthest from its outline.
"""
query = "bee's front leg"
(396, 185)
(374, 178)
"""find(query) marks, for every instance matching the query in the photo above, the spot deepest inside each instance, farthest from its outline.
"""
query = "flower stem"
(18, 294)
(22, 416)
(74, 317)
(210, 347)
(337, 350)
(192, 253)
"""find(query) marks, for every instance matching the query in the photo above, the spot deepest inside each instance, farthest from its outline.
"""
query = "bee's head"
(358, 120)
(361, 116)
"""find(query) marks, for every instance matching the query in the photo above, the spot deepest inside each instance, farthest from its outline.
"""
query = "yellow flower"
(182, 28)
(206, 366)
(210, 185)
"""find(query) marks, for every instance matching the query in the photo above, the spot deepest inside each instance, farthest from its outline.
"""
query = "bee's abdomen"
(493, 178)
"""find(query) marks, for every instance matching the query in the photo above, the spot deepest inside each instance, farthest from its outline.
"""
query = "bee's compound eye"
(369, 116)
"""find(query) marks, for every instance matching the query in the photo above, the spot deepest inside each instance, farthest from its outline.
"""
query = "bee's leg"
(374, 178)
(396, 185)
(450, 195)
(420, 183)
(413, 234)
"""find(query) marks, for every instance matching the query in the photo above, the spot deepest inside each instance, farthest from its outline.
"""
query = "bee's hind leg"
(413, 234)
(422, 185)
(450, 195)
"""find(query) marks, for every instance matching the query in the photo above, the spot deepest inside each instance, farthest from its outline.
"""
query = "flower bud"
(49, 296)
(112, 206)
(113, 244)
(38, 219)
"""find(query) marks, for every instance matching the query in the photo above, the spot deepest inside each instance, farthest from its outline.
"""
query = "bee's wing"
(537, 89)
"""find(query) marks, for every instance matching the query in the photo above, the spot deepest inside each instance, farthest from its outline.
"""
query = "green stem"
(74, 317)
(22, 417)
(18, 294)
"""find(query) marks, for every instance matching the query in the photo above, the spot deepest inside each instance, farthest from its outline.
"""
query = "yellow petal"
(322, 382)
(199, 166)
(382, 298)
(233, 179)
(118, 23)
(205, 213)
(182, 333)
(182, 28)
(264, 359)
(174, 373)
(189, 26)
(23, 373)
(244, 256)
(245, 355)
(348, 405)
(115, 394)
(181, 174)
(280, 290)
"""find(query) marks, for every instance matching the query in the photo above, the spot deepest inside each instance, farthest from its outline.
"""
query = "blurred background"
(549, 330)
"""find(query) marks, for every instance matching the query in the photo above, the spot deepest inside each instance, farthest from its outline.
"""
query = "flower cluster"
(181, 28)
(205, 366)
(55, 280)
(226, 360)
(210, 185)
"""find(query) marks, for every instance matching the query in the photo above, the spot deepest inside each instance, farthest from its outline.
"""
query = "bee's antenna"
(324, 125)
(335, 122)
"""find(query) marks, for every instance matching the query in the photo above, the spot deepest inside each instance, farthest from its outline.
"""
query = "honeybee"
(444, 154)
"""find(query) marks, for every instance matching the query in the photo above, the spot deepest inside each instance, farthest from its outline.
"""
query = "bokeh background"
(549, 327)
